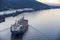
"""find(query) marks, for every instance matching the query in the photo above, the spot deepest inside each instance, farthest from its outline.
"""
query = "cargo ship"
(19, 27)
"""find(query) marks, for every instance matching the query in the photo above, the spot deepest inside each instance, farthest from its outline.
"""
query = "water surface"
(43, 25)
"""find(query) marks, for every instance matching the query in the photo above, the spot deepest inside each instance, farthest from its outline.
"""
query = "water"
(43, 25)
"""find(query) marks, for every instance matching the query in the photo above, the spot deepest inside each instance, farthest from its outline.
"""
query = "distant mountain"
(53, 6)
(19, 4)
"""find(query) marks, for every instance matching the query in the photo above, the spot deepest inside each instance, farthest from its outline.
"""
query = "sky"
(50, 1)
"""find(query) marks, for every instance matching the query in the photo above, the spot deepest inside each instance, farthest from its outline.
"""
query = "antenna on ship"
(15, 21)
(23, 17)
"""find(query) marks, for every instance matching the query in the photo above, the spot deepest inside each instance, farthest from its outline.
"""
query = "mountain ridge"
(19, 4)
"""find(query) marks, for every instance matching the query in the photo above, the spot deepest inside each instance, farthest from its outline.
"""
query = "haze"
(50, 1)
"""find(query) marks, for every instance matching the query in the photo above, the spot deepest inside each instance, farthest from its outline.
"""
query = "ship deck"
(25, 22)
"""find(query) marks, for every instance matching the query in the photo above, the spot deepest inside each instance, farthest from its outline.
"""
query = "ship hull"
(16, 33)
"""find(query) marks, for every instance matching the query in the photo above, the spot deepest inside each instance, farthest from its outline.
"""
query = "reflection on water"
(16, 37)
(43, 25)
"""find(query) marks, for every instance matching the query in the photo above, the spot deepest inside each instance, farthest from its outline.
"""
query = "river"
(43, 25)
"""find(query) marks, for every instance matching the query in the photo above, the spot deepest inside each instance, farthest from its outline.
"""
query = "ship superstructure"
(20, 27)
